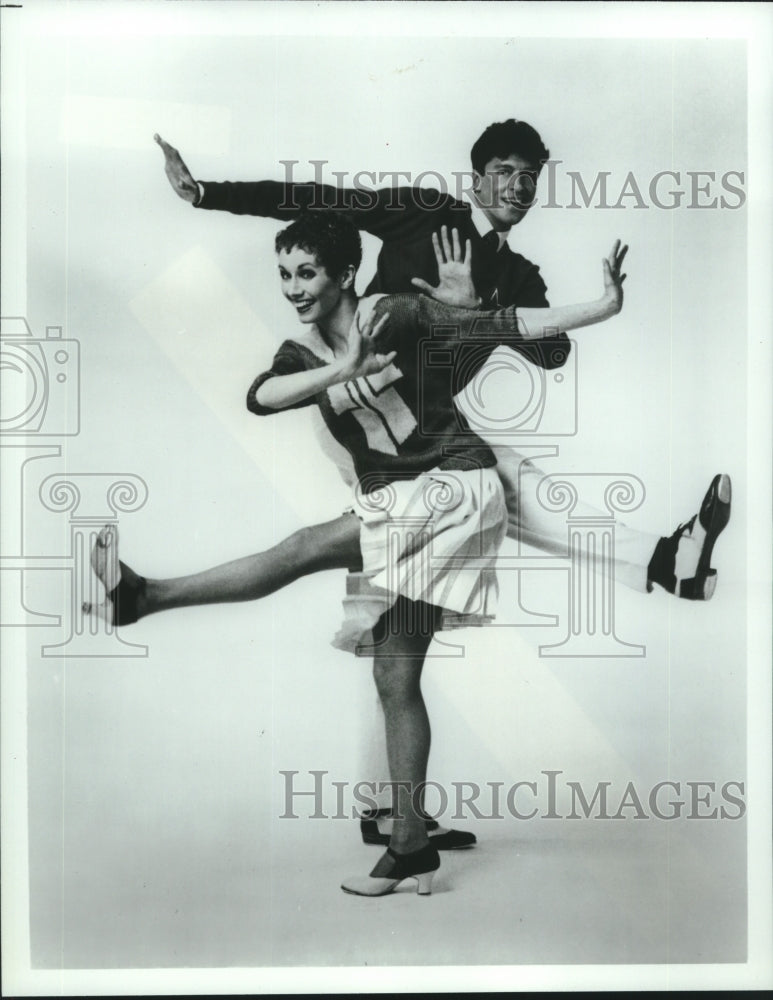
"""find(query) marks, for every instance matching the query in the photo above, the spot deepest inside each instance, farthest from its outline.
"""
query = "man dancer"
(506, 162)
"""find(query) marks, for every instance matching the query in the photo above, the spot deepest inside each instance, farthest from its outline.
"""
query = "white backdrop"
(170, 764)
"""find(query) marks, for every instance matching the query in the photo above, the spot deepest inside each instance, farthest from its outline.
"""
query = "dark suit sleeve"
(287, 361)
(533, 292)
(548, 353)
(388, 213)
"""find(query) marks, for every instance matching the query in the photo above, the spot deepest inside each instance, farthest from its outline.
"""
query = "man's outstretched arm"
(386, 213)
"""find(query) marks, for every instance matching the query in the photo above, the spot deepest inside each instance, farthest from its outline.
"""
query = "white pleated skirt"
(433, 539)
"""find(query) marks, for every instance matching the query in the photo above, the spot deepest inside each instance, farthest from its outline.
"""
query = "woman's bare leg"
(403, 637)
(332, 545)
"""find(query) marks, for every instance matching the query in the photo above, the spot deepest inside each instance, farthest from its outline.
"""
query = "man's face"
(505, 190)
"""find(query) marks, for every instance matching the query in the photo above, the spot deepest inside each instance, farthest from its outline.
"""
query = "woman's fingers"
(614, 262)
(617, 255)
(371, 328)
(380, 325)
(385, 360)
(611, 275)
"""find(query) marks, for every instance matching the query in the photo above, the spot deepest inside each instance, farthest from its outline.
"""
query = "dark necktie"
(488, 276)
(491, 240)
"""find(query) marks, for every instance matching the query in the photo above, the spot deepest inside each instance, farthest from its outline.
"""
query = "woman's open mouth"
(303, 307)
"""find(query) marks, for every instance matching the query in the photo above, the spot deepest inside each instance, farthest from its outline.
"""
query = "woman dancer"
(360, 362)
(324, 546)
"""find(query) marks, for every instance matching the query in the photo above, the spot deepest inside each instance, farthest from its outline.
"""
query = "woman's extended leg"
(332, 545)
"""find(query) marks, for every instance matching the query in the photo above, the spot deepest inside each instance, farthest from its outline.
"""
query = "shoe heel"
(425, 884)
(699, 588)
(370, 832)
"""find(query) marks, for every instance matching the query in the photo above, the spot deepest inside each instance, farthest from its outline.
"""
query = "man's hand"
(455, 287)
(361, 357)
(179, 176)
(613, 280)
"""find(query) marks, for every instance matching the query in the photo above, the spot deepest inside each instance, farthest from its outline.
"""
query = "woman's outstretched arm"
(455, 294)
(534, 324)
(282, 387)
(538, 333)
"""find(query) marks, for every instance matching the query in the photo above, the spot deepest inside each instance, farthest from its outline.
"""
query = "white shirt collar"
(481, 222)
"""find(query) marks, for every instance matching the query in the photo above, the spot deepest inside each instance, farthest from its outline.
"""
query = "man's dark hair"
(510, 138)
(330, 236)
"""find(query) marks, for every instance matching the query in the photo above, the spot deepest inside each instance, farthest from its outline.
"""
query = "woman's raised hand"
(361, 357)
(613, 279)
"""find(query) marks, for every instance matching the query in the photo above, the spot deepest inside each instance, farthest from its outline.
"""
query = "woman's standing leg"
(401, 640)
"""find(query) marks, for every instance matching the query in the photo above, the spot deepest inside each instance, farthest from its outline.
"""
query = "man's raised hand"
(179, 176)
(455, 286)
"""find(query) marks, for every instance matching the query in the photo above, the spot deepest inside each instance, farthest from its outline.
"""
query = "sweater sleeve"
(472, 333)
(412, 317)
(287, 361)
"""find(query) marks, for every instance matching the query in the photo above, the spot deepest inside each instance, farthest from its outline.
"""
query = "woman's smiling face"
(307, 286)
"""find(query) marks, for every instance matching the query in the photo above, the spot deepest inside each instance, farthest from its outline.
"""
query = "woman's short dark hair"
(329, 235)
(510, 138)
